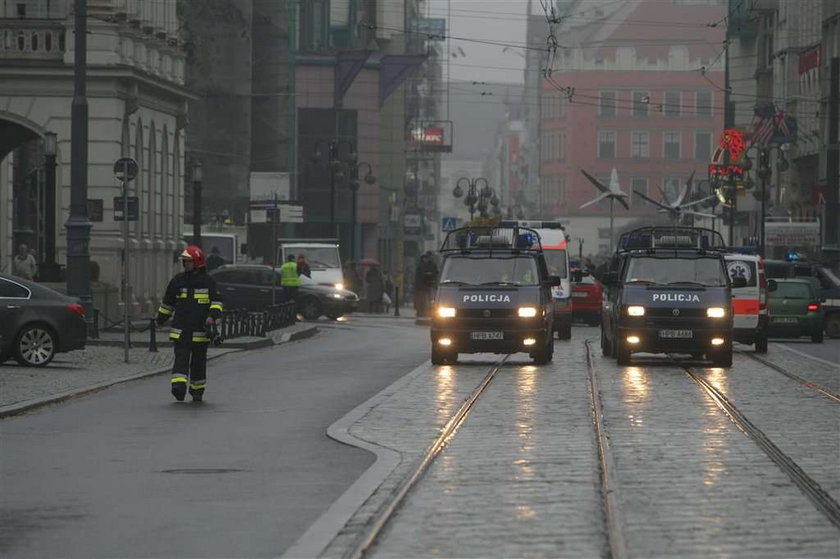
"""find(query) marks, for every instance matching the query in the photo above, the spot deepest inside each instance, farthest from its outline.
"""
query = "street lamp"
(197, 175)
(49, 270)
(476, 198)
(354, 188)
(336, 174)
(764, 172)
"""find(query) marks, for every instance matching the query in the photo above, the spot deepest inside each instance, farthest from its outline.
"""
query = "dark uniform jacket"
(191, 297)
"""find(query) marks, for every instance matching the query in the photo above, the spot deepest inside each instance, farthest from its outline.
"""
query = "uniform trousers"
(190, 363)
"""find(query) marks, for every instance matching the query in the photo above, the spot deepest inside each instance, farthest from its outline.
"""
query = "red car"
(586, 300)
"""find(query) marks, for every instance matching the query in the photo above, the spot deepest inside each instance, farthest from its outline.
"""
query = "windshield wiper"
(454, 282)
(687, 283)
(642, 281)
(497, 283)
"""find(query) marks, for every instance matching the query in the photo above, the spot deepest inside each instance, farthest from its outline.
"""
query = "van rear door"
(746, 301)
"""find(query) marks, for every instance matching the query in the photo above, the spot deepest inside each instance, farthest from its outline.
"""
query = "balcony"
(32, 39)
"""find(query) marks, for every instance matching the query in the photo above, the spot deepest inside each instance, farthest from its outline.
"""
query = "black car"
(254, 287)
(37, 322)
(494, 296)
(669, 292)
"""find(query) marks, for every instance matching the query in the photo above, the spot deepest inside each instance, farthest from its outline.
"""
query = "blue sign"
(448, 223)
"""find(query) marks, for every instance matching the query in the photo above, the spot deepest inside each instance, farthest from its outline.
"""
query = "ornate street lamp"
(49, 270)
(354, 188)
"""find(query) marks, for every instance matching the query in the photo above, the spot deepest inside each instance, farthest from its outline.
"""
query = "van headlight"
(716, 312)
(635, 310)
(527, 312)
(446, 312)
(339, 286)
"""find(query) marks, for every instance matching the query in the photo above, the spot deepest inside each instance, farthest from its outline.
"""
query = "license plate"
(676, 334)
(578, 294)
(487, 335)
(784, 320)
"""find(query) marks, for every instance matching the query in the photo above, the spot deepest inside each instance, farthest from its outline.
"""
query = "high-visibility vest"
(288, 275)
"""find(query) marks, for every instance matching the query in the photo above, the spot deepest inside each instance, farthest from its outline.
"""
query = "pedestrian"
(290, 278)
(352, 278)
(24, 264)
(374, 288)
(194, 304)
(303, 268)
(424, 279)
(388, 294)
(214, 260)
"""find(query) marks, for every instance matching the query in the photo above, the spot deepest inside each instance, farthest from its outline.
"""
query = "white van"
(749, 303)
(323, 258)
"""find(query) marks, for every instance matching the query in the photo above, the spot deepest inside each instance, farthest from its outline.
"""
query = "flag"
(764, 124)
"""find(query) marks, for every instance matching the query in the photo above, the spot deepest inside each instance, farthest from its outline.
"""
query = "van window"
(224, 243)
(556, 262)
(742, 269)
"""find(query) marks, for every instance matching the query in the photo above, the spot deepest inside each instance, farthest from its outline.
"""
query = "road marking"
(803, 354)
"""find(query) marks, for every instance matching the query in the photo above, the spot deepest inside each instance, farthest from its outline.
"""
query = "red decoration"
(733, 141)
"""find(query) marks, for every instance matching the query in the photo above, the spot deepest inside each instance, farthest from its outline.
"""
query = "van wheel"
(438, 357)
(546, 354)
(721, 358)
(565, 332)
(622, 352)
(761, 343)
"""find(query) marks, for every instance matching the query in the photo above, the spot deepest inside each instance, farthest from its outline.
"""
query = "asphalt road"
(829, 350)
(129, 472)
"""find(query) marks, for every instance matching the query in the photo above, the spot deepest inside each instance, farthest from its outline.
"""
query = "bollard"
(152, 336)
(397, 300)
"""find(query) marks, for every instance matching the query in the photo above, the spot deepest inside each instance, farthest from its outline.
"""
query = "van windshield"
(317, 257)
(225, 244)
(516, 270)
(705, 271)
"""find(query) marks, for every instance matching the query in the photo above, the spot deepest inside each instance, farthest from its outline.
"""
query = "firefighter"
(194, 300)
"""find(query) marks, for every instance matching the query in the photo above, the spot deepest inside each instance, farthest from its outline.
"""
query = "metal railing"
(238, 323)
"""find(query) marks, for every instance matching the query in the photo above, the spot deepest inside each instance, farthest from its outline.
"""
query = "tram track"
(793, 376)
(380, 521)
(818, 496)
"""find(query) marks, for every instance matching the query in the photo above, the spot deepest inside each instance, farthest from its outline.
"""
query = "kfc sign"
(432, 136)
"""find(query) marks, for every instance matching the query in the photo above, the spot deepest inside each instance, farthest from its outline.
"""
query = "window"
(553, 106)
(639, 144)
(703, 107)
(10, 289)
(607, 105)
(671, 141)
(314, 26)
(641, 102)
(553, 146)
(606, 144)
(703, 146)
(553, 191)
(638, 184)
(673, 99)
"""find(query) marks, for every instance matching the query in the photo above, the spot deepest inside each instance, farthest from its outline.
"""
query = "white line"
(803, 354)
(322, 532)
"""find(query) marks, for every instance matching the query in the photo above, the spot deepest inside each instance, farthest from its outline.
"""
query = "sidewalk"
(102, 364)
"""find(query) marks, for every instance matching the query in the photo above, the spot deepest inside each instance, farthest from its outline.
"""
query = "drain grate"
(202, 471)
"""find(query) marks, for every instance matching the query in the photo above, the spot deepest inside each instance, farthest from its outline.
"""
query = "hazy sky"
(484, 20)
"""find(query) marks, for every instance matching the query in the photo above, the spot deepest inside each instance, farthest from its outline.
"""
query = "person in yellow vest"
(290, 278)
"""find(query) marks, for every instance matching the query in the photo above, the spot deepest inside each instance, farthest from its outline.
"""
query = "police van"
(554, 241)
(669, 292)
(493, 295)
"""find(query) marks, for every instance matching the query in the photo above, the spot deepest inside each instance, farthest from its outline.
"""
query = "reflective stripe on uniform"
(217, 305)
(165, 309)
(178, 378)
(175, 334)
(203, 290)
(198, 385)
(200, 338)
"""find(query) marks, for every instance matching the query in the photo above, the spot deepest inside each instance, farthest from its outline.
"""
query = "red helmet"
(195, 254)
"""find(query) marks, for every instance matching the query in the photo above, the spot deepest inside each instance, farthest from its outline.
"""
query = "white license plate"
(487, 335)
(784, 320)
(676, 334)
(578, 294)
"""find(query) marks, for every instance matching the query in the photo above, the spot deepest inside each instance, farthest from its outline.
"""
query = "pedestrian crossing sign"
(448, 223)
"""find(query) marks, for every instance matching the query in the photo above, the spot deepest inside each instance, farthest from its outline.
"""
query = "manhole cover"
(202, 471)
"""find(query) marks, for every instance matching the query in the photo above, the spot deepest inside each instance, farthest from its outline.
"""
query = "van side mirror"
(553, 280)
(772, 286)
(739, 282)
(609, 278)
(577, 276)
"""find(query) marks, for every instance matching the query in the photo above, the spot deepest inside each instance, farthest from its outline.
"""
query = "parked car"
(253, 287)
(37, 322)
(795, 310)
(587, 295)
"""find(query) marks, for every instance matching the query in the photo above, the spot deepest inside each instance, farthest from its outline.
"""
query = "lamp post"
(476, 198)
(197, 175)
(764, 173)
(334, 153)
(354, 188)
(49, 271)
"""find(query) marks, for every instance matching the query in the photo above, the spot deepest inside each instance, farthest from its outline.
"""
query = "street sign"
(125, 165)
(291, 214)
(448, 223)
(412, 223)
(133, 208)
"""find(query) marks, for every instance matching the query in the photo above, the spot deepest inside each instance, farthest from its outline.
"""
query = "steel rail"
(824, 502)
(609, 487)
(806, 383)
(363, 545)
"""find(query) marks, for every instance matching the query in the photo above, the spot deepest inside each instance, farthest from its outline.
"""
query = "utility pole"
(832, 170)
(729, 122)
(78, 225)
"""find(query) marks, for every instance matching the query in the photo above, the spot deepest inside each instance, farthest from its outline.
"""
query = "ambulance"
(554, 239)
(749, 302)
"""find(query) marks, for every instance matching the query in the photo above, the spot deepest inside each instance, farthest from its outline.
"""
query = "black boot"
(179, 390)
(197, 395)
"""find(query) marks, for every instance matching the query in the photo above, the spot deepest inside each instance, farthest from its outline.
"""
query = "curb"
(28, 405)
